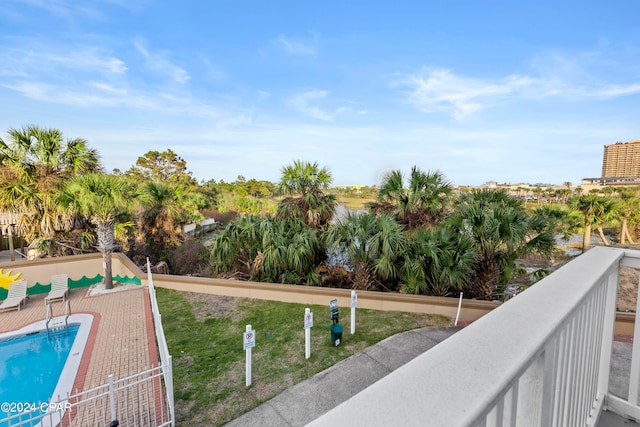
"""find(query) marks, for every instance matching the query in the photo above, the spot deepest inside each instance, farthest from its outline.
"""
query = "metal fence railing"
(163, 349)
(136, 400)
(141, 399)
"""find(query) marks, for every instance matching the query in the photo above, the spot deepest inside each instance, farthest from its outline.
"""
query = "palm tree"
(103, 200)
(502, 232)
(305, 182)
(420, 204)
(559, 218)
(267, 249)
(595, 210)
(162, 215)
(538, 192)
(628, 213)
(438, 262)
(37, 162)
(567, 185)
(374, 246)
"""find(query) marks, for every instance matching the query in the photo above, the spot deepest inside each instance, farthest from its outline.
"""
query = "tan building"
(621, 159)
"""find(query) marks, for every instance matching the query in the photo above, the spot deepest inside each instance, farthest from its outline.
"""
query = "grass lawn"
(204, 333)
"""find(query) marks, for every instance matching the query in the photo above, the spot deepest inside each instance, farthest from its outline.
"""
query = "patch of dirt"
(209, 306)
(628, 289)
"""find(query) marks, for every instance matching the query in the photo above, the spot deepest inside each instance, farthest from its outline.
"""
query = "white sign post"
(249, 340)
(308, 323)
(354, 304)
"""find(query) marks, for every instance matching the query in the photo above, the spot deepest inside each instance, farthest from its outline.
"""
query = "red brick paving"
(121, 341)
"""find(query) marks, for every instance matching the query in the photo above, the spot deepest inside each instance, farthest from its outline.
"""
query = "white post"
(248, 335)
(112, 399)
(308, 322)
(458, 313)
(354, 304)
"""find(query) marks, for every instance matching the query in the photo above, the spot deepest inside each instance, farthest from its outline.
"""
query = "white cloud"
(35, 58)
(98, 94)
(157, 61)
(107, 88)
(434, 90)
(82, 96)
(617, 90)
(442, 90)
(263, 95)
(296, 47)
(305, 103)
(67, 10)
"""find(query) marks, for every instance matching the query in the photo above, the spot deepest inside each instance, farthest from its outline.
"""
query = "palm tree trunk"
(629, 236)
(604, 239)
(623, 231)
(11, 251)
(586, 238)
(105, 232)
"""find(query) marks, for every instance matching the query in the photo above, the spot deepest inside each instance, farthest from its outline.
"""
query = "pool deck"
(121, 341)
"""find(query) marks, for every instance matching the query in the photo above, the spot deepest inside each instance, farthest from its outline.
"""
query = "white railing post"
(530, 392)
(168, 382)
(549, 397)
(112, 399)
(635, 362)
(608, 328)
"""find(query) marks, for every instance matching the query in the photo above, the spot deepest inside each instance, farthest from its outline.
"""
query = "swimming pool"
(35, 369)
(31, 364)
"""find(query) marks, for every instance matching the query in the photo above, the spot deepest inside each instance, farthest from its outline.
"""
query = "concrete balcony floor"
(609, 419)
(619, 381)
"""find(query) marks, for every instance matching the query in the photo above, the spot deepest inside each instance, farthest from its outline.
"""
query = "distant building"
(620, 167)
(621, 160)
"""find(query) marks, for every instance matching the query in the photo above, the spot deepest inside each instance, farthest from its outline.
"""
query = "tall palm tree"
(374, 246)
(304, 182)
(628, 213)
(36, 163)
(421, 203)
(103, 200)
(567, 185)
(595, 211)
(538, 192)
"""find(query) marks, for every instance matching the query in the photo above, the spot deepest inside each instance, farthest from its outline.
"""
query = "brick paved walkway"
(121, 342)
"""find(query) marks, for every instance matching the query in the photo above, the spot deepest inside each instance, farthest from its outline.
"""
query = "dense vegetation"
(412, 234)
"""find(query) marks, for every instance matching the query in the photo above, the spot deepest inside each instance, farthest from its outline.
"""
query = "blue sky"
(480, 90)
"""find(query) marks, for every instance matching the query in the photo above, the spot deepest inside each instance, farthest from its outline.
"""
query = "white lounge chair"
(16, 296)
(59, 288)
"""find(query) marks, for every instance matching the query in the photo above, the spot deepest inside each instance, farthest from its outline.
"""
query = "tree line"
(415, 236)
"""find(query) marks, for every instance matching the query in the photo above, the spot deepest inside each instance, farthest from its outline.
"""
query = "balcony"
(542, 359)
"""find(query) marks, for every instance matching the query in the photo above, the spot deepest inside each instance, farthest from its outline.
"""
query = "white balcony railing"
(541, 359)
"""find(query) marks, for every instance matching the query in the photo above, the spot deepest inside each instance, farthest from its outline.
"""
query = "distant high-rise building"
(621, 159)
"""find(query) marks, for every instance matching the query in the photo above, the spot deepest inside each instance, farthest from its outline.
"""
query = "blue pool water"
(30, 365)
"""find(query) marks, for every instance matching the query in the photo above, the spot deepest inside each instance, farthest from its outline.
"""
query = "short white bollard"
(249, 341)
(308, 323)
(458, 313)
(354, 304)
